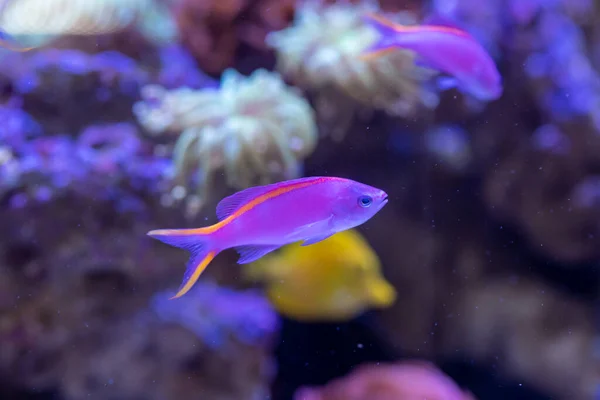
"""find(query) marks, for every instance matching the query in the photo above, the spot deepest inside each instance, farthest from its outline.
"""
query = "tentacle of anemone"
(205, 150)
(222, 128)
(257, 160)
(251, 164)
(233, 153)
(282, 147)
(304, 130)
(184, 149)
(245, 175)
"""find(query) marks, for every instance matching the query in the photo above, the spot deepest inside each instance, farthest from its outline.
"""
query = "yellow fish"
(333, 280)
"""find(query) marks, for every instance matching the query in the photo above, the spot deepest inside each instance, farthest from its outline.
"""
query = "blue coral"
(213, 313)
(39, 158)
(179, 69)
(95, 162)
(17, 126)
(25, 69)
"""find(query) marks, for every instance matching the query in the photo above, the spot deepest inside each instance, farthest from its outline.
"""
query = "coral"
(219, 33)
(18, 127)
(254, 128)
(178, 69)
(265, 17)
(66, 90)
(450, 145)
(552, 198)
(539, 333)
(538, 172)
(213, 312)
(408, 380)
(100, 161)
(491, 235)
(82, 303)
(208, 30)
(321, 50)
(37, 21)
(124, 350)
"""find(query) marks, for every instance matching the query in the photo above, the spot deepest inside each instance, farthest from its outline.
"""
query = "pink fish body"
(444, 48)
(261, 219)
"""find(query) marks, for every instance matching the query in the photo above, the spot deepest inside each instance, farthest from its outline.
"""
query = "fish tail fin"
(386, 42)
(199, 243)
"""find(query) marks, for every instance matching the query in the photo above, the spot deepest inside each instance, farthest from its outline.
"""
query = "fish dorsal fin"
(231, 204)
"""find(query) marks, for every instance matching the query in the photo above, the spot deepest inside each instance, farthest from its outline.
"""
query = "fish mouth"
(384, 201)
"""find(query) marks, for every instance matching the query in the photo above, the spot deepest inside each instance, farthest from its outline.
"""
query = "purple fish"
(447, 49)
(261, 219)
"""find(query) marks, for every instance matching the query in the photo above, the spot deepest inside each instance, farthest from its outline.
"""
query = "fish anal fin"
(316, 239)
(196, 265)
(250, 253)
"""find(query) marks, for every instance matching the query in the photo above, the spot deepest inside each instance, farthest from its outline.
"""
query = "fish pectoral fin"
(316, 239)
(312, 229)
(252, 253)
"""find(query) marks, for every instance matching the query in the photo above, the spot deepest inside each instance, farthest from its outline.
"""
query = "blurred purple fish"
(259, 220)
(444, 48)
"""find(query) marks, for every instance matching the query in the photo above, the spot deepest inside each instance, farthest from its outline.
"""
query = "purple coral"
(550, 138)
(56, 85)
(106, 148)
(102, 157)
(178, 69)
(24, 69)
(17, 126)
(213, 312)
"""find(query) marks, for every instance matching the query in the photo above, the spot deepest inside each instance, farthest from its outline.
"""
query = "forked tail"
(198, 243)
(387, 40)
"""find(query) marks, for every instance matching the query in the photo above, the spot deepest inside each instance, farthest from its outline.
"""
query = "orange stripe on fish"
(197, 272)
(416, 28)
(269, 195)
(377, 53)
(277, 191)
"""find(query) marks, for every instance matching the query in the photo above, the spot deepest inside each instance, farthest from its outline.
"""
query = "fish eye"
(365, 201)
